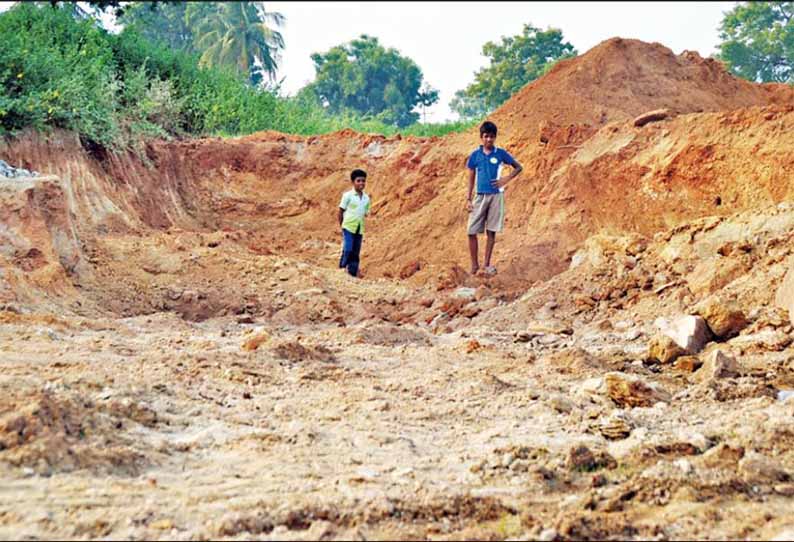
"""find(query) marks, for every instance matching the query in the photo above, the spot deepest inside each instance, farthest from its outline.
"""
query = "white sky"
(445, 38)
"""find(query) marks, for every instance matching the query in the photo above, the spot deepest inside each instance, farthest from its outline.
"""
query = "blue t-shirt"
(489, 167)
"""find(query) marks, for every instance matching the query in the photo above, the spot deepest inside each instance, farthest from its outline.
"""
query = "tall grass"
(118, 90)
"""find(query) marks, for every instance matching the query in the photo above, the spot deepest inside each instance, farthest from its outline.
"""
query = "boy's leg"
(494, 223)
(476, 225)
(473, 249)
(489, 246)
(347, 247)
(355, 253)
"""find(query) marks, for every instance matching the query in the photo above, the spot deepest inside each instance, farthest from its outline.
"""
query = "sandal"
(490, 270)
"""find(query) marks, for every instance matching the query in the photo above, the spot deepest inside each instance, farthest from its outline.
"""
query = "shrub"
(117, 90)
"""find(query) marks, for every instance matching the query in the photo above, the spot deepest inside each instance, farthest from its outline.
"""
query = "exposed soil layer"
(182, 357)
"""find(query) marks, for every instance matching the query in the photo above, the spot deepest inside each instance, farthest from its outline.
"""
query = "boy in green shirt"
(353, 208)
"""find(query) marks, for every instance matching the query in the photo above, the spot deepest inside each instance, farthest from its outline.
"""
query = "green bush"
(54, 72)
(118, 90)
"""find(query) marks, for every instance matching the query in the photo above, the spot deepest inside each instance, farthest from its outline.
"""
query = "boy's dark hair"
(356, 173)
(488, 127)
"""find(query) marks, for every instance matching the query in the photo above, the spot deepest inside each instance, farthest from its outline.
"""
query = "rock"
(162, 524)
(615, 427)
(689, 332)
(772, 317)
(717, 365)
(687, 364)
(464, 293)
(787, 490)
(232, 525)
(472, 345)
(561, 404)
(320, 530)
(481, 293)
(410, 269)
(533, 393)
(632, 335)
(581, 458)
(651, 116)
(769, 340)
(713, 274)
(471, 310)
(310, 292)
(625, 391)
(555, 327)
(757, 468)
(591, 387)
(255, 342)
(785, 395)
(723, 456)
(724, 318)
(663, 349)
(784, 297)
(10, 172)
(523, 336)
(549, 339)
(683, 465)
(547, 535)
(579, 257)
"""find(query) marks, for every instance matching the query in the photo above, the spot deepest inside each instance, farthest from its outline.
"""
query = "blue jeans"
(351, 249)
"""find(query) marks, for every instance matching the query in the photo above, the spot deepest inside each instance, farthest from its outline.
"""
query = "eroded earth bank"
(181, 358)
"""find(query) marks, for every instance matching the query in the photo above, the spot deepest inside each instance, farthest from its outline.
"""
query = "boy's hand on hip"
(500, 183)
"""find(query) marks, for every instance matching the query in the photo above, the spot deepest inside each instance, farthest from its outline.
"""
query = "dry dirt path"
(152, 427)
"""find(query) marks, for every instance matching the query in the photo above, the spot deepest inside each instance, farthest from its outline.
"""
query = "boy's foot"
(490, 270)
(474, 270)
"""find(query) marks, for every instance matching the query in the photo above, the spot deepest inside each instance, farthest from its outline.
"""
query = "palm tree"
(237, 34)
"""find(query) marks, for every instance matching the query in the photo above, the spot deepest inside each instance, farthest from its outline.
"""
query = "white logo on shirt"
(494, 160)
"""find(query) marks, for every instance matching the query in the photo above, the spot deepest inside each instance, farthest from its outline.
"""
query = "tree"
(237, 33)
(364, 77)
(468, 107)
(170, 23)
(758, 41)
(427, 97)
(514, 62)
(94, 10)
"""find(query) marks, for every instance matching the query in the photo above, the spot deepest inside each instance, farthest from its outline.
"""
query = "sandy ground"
(181, 358)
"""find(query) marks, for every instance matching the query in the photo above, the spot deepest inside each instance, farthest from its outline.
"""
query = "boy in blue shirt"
(487, 211)
(353, 208)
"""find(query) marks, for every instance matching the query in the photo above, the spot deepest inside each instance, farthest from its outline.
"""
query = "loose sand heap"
(182, 359)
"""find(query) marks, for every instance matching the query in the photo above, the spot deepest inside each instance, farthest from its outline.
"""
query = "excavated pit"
(182, 357)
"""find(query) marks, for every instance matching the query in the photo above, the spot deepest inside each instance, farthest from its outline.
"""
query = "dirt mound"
(621, 78)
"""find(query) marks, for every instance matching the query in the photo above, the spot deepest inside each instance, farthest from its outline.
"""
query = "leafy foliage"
(94, 8)
(53, 72)
(237, 34)
(758, 41)
(117, 90)
(364, 77)
(169, 23)
(514, 62)
(231, 34)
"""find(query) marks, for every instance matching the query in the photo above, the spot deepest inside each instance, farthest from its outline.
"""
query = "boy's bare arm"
(341, 216)
(517, 168)
(471, 189)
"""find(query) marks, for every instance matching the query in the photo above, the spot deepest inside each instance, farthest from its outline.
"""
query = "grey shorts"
(488, 213)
